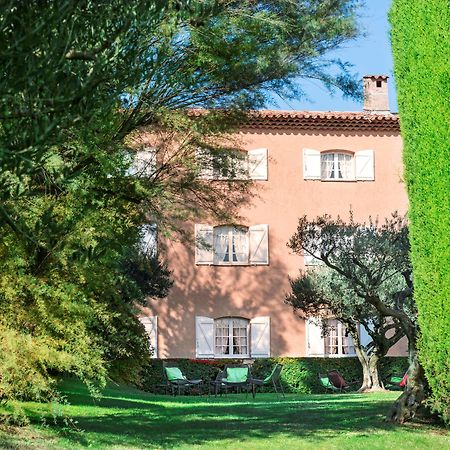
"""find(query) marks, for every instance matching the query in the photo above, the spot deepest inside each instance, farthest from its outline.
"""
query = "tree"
(374, 260)
(80, 83)
(418, 36)
(323, 293)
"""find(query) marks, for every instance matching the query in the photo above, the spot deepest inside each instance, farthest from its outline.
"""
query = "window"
(231, 336)
(337, 341)
(336, 166)
(334, 343)
(226, 337)
(231, 245)
(378, 83)
(233, 164)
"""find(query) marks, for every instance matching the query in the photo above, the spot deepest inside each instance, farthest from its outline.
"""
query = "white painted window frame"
(230, 337)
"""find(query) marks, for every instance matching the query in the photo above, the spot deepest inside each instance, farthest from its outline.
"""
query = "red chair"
(404, 380)
(338, 381)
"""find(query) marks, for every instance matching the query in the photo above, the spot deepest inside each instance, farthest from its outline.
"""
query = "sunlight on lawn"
(127, 418)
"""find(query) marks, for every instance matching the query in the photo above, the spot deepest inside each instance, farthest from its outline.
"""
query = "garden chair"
(175, 380)
(326, 384)
(272, 379)
(397, 381)
(238, 376)
(217, 384)
(338, 381)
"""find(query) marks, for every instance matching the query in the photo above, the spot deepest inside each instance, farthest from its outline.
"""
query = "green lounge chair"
(396, 382)
(175, 379)
(272, 379)
(238, 376)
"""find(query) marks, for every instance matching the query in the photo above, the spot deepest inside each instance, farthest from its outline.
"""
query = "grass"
(126, 418)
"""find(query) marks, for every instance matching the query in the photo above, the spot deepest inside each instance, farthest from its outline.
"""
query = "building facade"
(228, 294)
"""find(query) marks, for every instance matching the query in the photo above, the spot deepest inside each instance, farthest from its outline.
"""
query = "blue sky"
(369, 54)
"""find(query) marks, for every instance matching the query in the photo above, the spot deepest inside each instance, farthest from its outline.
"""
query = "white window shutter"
(204, 253)
(364, 337)
(310, 260)
(259, 244)
(204, 159)
(144, 163)
(315, 341)
(260, 337)
(151, 328)
(365, 165)
(149, 239)
(311, 164)
(204, 337)
(257, 164)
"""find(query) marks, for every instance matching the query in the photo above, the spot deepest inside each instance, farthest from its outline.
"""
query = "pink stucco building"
(228, 298)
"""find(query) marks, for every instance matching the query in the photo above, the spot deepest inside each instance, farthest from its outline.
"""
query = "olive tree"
(372, 262)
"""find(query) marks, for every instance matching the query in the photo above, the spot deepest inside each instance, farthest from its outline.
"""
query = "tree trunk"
(371, 379)
(405, 407)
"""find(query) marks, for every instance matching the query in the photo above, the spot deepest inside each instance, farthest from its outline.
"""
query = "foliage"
(299, 375)
(79, 81)
(324, 292)
(368, 256)
(420, 46)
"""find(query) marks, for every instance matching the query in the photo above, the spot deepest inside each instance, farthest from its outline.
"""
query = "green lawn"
(131, 419)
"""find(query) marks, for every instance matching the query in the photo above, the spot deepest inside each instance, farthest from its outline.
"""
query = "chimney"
(376, 98)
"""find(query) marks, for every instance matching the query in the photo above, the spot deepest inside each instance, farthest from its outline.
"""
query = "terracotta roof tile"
(318, 120)
(323, 120)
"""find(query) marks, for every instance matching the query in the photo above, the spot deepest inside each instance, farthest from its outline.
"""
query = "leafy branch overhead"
(82, 84)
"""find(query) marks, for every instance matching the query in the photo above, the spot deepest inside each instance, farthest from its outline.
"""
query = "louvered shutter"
(204, 244)
(257, 164)
(260, 337)
(364, 165)
(150, 324)
(311, 164)
(204, 337)
(315, 341)
(259, 244)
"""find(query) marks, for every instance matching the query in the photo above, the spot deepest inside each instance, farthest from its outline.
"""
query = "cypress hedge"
(420, 41)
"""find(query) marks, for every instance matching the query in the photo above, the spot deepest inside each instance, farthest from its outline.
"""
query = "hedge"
(299, 375)
(420, 47)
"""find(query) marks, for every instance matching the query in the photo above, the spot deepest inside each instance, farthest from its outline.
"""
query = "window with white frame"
(226, 337)
(338, 165)
(231, 245)
(337, 341)
(231, 336)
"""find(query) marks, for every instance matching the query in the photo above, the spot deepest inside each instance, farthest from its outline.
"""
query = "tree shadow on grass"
(169, 422)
